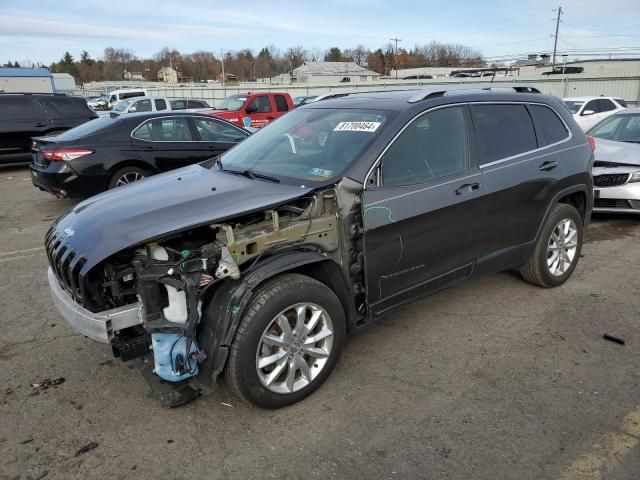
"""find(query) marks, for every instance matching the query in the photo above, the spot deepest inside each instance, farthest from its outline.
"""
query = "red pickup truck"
(253, 109)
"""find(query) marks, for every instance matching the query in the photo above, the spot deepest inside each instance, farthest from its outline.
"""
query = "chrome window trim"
(378, 160)
(206, 117)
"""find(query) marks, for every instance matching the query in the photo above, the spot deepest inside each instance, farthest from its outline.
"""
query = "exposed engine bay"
(172, 278)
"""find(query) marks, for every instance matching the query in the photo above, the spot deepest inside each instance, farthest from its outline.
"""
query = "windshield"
(232, 103)
(621, 128)
(122, 105)
(573, 105)
(307, 146)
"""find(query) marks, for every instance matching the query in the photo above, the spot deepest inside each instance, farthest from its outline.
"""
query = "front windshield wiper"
(249, 173)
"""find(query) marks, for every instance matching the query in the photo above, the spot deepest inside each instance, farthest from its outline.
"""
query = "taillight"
(64, 154)
(592, 143)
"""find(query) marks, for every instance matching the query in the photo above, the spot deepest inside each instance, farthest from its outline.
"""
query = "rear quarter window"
(502, 131)
(552, 127)
(63, 106)
(18, 107)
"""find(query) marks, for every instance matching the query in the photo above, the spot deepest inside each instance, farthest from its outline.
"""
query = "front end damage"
(185, 293)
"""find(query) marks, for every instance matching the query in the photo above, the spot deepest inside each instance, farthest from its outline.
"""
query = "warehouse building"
(26, 80)
(332, 72)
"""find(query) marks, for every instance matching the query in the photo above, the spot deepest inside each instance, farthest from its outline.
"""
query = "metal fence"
(625, 87)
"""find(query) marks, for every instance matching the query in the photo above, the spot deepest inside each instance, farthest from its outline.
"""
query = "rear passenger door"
(282, 106)
(216, 136)
(520, 172)
(166, 143)
(423, 215)
(21, 118)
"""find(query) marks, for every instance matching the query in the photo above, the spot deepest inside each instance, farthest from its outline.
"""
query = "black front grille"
(610, 179)
(610, 203)
(66, 264)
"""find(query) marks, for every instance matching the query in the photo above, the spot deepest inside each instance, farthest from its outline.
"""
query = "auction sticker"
(357, 127)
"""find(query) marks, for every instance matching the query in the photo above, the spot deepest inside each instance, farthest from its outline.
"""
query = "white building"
(26, 80)
(168, 75)
(64, 83)
(332, 72)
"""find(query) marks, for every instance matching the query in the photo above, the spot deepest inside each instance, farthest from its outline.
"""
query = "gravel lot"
(495, 379)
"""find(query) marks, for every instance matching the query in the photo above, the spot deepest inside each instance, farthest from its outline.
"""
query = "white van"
(116, 95)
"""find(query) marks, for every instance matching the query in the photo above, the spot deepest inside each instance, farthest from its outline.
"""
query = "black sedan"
(110, 152)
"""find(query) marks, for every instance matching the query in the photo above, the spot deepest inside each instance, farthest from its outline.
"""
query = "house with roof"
(332, 72)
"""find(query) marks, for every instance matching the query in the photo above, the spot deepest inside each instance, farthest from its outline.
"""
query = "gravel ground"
(495, 379)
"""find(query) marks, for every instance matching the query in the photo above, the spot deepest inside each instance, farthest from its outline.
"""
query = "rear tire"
(127, 175)
(274, 360)
(557, 249)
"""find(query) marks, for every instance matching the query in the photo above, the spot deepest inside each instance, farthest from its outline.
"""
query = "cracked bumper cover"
(97, 326)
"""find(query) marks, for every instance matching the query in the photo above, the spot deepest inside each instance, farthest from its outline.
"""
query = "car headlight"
(635, 177)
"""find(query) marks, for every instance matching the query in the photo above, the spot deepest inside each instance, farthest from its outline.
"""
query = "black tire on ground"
(132, 171)
(268, 301)
(536, 271)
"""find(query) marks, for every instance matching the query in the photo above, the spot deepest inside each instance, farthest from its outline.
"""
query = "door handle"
(270, 118)
(548, 165)
(468, 187)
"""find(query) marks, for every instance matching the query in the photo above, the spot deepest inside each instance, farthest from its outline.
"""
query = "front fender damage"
(193, 288)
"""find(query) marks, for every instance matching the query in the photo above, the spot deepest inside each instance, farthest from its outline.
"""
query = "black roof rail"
(442, 90)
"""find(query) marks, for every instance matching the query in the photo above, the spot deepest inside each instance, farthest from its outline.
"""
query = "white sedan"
(588, 111)
(616, 170)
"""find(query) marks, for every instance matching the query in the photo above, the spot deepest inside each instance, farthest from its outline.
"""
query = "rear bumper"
(63, 180)
(97, 326)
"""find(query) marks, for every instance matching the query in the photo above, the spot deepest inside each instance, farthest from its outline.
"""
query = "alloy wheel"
(294, 348)
(562, 247)
(129, 177)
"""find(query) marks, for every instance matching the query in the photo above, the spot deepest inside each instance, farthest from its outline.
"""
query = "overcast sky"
(43, 30)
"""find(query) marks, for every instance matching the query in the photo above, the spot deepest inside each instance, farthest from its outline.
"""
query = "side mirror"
(252, 109)
(132, 109)
(587, 112)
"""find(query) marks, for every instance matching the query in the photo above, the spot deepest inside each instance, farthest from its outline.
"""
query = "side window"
(621, 102)
(502, 131)
(593, 105)
(178, 104)
(161, 104)
(261, 104)
(606, 105)
(433, 146)
(143, 106)
(131, 95)
(16, 108)
(163, 130)
(62, 106)
(281, 103)
(212, 130)
(552, 127)
(631, 132)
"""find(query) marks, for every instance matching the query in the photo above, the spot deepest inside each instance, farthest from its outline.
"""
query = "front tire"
(287, 343)
(557, 250)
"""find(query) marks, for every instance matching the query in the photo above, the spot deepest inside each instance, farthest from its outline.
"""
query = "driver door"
(422, 219)
(260, 111)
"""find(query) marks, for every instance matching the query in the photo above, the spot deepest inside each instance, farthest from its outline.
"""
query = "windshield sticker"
(320, 172)
(357, 127)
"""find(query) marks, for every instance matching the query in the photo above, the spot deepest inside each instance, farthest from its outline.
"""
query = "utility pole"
(222, 63)
(555, 40)
(396, 40)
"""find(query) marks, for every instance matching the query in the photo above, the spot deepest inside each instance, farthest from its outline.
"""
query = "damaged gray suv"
(255, 264)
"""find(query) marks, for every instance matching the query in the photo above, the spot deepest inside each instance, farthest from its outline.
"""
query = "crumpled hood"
(162, 204)
(617, 152)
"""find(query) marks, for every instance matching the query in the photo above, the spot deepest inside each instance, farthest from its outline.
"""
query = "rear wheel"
(557, 250)
(127, 175)
(287, 343)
